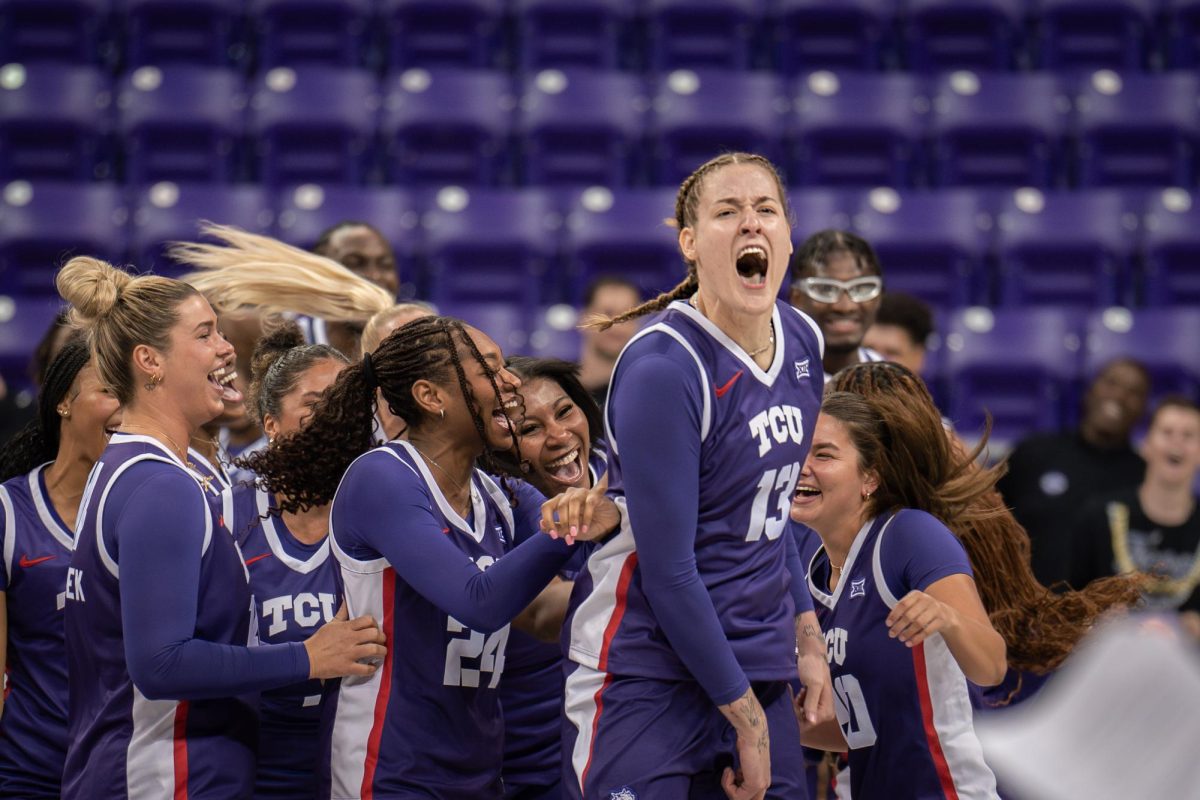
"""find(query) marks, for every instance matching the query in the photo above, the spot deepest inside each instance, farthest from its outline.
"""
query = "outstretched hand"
(580, 514)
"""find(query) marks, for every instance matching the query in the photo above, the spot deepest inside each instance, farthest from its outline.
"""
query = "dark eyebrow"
(825, 446)
(208, 323)
(733, 201)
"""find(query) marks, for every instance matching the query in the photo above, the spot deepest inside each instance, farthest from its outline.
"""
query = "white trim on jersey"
(812, 323)
(819, 594)
(945, 695)
(42, 504)
(150, 756)
(606, 566)
(582, 708)
(768, 377)
(705, 414)
(9, 533)
(262, 502)
(479, 530)
(219, 470)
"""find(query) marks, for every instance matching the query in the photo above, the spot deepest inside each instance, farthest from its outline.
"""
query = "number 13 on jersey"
(775, 489)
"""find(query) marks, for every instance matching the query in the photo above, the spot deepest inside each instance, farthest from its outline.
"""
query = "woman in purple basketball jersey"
(44, 469)
(684, 626)
(904, 626)
(158, 608)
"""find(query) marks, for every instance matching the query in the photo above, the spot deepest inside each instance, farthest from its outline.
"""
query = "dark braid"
(304, 468)
(37, 442)
(1039, 627)
(687, 202)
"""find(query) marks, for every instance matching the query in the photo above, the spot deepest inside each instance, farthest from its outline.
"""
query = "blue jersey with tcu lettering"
(122, 742)
(905, 712)
(35, 552)
(749, 429)
(428, 722)
(296, 590)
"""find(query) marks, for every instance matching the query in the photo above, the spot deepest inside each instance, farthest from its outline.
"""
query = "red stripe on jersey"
(618, 613)
(931, 736)
(179, 747)
(599, 701)
(385, 685)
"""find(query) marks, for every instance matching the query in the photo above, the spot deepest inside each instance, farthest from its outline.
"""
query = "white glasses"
(828, 290)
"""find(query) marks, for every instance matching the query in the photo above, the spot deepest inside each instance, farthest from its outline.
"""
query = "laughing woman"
(45, 468)
(896, 597)
(158, 606)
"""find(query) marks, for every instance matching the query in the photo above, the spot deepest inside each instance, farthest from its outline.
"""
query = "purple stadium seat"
(1089, 34)
(1016, 364)
(159, 32)
(856, 129)
(697, 34)
(448, 126)
(507, 324)
(581, 127)
(815, 209)
(1068, 248)
(1172, 248)
(313, 124)
(963, 34)
(1183, 32)
(685, 132)
(44, 224)
(831, 34)
(54, 122)
(180, 122)
(1162, 339)
(998, 129)
(555, 333)
(931, 245)
(21, 327)
(622, 233)
(64, 31)
(1138, 130)
(572, 33)
(443, 33)
(168, 212)
(490, 245)
(305, 212)
(294, 32)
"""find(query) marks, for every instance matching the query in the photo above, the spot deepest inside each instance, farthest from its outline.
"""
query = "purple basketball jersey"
(123, 744)
(35, 553)
(755, 432)
(428, 722)
(905, 712)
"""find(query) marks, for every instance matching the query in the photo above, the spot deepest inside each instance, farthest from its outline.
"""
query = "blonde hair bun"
(91, 286)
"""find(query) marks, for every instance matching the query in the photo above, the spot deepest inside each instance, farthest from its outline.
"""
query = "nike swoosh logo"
(27, 562)
(250, 561)
(721, 390)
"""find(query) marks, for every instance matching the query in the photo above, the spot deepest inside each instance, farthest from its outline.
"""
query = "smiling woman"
(157, 600)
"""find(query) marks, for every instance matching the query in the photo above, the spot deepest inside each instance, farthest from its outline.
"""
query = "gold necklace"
(751, 353)
(1118, 525)
(205, 480)
(442, 469)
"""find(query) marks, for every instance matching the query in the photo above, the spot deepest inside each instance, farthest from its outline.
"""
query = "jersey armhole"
(9, 532)
(881, 584)
(816, 329)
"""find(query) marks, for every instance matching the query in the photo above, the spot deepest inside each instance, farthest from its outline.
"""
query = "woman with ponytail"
(426, 541)
(44, 469)
(158, 605)
(293, 579)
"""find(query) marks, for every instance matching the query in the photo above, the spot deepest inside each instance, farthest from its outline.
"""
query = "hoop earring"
(153, 381)
(443, 413)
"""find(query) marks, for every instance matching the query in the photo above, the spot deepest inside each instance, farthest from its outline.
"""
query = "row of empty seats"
(790, 35)
(574, 127)
(528, 247)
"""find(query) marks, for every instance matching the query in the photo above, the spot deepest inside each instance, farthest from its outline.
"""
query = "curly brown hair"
(1040, 627)
(304, 468)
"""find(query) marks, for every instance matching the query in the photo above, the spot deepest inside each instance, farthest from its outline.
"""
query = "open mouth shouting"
(805, 495)
(222, 378)
(752, 266)
(511, 409)
(568, 469)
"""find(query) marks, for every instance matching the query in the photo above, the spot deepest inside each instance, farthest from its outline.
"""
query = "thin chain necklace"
(441, 469)
(751, 353)
(205, 480)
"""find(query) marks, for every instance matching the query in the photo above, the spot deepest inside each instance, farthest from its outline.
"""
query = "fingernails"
(583, 530)
(574, 531)
(553, 533)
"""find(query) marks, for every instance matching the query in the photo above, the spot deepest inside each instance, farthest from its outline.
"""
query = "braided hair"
(687, 203)
(1040, 627)
(38, 441)
(303, 469)
(279, 359)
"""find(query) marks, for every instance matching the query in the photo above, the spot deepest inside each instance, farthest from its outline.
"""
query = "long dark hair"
(566, 375)
(1040, 627)
(303, 469)
(38, 441)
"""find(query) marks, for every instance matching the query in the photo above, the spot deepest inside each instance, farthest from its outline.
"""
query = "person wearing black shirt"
(1050, 476)
(1154, 528)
